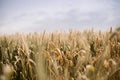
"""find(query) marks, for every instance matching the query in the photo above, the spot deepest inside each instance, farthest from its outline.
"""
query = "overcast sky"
(51, 15)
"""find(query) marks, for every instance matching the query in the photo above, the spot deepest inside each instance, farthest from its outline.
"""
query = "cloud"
(59, 15)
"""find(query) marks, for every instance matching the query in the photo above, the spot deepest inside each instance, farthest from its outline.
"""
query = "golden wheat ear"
(115, 33)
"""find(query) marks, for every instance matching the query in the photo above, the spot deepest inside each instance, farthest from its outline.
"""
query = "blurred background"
(58, 15)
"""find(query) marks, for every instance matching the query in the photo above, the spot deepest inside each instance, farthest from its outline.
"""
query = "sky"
(58, 15)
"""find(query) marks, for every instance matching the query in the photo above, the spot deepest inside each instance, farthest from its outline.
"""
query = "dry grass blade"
(115, 75)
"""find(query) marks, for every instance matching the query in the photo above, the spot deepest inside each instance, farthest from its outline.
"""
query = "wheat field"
(72, 55)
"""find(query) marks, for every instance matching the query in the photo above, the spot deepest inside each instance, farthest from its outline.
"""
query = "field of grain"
(72, 55)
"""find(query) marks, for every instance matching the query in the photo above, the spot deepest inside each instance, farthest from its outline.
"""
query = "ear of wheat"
(72, 55)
